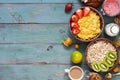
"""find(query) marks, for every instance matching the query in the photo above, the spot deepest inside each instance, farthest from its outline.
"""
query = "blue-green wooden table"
(31, 35)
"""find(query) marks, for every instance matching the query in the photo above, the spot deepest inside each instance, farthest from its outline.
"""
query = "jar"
(92, 76)
(112, 29)
(111, 7)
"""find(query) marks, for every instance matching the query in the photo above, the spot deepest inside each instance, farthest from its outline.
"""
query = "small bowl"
(111, 8)
(106, 41)
(101, 25)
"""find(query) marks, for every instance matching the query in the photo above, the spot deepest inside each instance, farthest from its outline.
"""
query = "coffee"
(76, 73)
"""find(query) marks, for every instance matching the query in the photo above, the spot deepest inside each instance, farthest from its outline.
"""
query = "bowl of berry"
(86, 24)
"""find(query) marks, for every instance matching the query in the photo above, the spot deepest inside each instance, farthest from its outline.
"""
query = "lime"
(76, 57)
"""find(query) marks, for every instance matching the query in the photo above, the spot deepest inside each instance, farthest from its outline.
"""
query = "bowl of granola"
(101, 55)
(86, 24)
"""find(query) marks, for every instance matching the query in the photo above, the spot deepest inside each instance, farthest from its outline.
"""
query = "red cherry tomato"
(74, 25)
(79, 12)
(74, 18)
(86, 11)
(75, 31)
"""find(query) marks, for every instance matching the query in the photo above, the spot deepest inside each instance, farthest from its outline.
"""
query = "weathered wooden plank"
(34, 13)
(28, 33)
(38, 1)
(35, 33)
(37, 54)
(38, 72)
(34, 72)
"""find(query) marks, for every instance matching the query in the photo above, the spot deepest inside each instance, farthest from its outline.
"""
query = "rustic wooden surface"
(31, 35)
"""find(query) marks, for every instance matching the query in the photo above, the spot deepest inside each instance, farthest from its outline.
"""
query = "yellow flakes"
(89, 26)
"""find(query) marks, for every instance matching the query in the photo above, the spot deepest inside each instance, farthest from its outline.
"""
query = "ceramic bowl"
(101, 25)
(106, 41)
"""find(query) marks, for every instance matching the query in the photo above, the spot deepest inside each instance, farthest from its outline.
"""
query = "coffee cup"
(75, 73)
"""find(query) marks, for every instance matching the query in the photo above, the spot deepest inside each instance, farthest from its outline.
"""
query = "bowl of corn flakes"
(86, 24)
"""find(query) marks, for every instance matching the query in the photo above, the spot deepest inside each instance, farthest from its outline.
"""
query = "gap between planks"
(40, 3)
(35, 63)
(32, 63)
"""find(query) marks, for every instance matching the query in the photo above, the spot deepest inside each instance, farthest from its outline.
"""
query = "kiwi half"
(95, 66)
(108, 62)
(103, 67)
(111, 55)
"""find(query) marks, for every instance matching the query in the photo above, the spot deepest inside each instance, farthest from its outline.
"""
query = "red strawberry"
(74, 18)
(79, 12)
(86, 11)
(75, 31)
(74, 25)
(68, 7)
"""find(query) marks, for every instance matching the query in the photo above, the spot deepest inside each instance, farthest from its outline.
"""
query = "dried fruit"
(118, 61)
(68, 7)
(116, 69)
(117, 42)
(108, 76)
(67, 42)
(95, 77)
(77, 46)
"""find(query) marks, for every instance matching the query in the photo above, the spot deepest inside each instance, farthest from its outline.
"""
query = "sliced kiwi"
(111, 55)
(95, 66)
(108, 62)
(103, 67)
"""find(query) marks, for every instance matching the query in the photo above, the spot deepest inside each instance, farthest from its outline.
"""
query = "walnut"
(108, 76)
(92, 3)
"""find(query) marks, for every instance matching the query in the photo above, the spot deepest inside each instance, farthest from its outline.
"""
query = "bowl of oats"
(86, 24)
(101, 55)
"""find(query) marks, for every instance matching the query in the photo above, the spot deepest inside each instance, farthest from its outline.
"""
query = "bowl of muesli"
(101, 55)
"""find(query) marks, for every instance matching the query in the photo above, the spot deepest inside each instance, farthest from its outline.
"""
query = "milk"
(112, 29)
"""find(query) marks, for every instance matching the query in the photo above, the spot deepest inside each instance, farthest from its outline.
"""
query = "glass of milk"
(112, 29)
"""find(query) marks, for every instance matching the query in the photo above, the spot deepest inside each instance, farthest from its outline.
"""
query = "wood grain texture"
(32, 32)
(33, 72)
(36, 33)
(37, 13)
(36, 72)
(36, 48)
(34, 13)
(39, 1)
